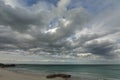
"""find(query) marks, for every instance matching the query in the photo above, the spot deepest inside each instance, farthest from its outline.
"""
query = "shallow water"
(78, 72)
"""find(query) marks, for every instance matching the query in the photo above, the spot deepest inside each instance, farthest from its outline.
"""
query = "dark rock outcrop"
(65, 76)
(7, 65)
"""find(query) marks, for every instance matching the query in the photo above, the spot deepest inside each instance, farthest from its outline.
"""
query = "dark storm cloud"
(19, 18)
(101, 47)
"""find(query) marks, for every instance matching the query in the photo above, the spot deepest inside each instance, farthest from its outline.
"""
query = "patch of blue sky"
(73, 4)
(93, 6)
(32, 2)
(54, 2)
(73, 37)
(118, 40)
(54, 22)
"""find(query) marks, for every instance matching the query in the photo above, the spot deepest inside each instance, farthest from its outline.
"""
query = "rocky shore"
(6, 65)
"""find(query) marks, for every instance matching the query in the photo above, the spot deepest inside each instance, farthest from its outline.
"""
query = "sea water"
(81, 72)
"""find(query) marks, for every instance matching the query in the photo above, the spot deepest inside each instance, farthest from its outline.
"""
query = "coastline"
(13, 75)
(40, 72)
(9, 75)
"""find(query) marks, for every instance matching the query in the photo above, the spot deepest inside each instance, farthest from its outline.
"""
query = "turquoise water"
(98, 72)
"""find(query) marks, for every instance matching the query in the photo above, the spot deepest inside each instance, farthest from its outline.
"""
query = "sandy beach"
(9, 75)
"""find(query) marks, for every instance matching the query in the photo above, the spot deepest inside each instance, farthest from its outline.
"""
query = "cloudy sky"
(60, 31)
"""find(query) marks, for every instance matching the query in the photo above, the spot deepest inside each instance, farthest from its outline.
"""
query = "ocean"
(79, 72)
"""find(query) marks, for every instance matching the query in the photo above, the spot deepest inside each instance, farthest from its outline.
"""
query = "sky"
(60, 31)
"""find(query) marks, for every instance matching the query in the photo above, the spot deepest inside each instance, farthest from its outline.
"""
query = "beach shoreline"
(10, 75)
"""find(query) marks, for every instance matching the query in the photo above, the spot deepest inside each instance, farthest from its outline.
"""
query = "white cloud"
(51, 30)
(11, 3)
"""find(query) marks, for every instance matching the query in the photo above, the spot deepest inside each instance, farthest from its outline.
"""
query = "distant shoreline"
(73, 64)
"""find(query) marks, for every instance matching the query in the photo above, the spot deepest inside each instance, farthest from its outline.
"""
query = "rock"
(65, 76)
(7, 65)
